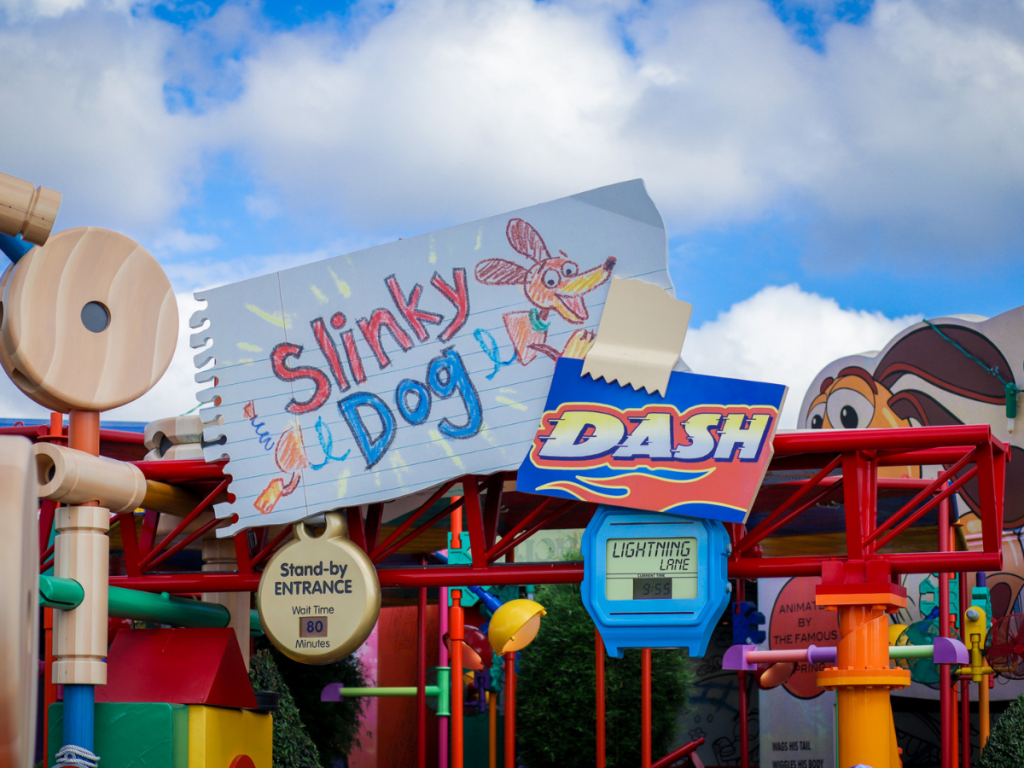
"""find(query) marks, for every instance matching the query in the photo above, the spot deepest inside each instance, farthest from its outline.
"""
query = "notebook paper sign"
(700, 451)
(367, 377)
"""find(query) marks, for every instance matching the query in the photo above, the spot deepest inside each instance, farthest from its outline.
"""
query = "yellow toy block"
(216, 736)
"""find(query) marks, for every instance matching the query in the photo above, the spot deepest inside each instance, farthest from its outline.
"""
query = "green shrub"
(333, 726)
(1005, 747)
(555, 698)
(293, 747)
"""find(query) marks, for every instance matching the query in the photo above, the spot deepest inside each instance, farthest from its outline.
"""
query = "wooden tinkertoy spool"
(88, 322)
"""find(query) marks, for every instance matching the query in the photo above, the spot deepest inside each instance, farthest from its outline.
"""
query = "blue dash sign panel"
(701, 450)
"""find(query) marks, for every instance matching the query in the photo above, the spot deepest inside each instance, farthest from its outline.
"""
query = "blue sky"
(871, 153)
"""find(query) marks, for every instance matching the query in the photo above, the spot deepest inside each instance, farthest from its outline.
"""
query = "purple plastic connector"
(736, 658)
(331, 692)
(816, 655)
(946, 650)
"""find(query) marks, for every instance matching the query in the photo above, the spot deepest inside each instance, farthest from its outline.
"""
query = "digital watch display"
(654, 580)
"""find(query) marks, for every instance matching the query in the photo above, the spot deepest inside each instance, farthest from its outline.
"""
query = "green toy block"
(132, 735)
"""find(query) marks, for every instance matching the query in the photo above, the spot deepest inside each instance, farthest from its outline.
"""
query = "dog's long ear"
(500, 272)
(924, 353)
(526, 240)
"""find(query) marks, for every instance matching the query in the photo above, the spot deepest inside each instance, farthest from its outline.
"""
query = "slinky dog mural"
(953, 370)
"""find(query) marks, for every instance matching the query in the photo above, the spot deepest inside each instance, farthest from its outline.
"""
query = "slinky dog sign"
(319, 598)
(367, 377)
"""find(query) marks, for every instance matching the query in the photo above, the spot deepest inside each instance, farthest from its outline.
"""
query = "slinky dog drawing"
(551, 284)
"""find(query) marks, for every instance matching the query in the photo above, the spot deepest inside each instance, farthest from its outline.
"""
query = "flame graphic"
(660, 492)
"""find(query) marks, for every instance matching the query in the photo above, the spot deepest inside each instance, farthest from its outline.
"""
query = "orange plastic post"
(599, 674)
(862, 677)
(510, 710)
(645, 707)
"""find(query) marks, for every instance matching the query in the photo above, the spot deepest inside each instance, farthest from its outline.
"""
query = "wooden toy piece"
(177, 430)
(183, 452)
(19, 604)
(182, 666)
(89, 321)
(218, 556)
(82, 552)
(75, 477)
(156, 734)
(26, 210)
(217, 737)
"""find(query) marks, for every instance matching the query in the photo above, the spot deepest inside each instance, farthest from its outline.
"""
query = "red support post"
(474, 521)
(599, 679)
(492, 507)
(946, 712)
(421, 680)
(965, 683)
(741, 595)
(356, 531)
(510, 710)
(645, 707)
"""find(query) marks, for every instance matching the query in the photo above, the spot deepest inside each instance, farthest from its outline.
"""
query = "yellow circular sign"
(319, 598)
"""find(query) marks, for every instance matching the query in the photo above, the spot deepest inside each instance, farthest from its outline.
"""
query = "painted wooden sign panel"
(700, 451)
(367, 377)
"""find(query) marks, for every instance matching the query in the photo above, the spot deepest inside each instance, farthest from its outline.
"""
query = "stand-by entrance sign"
(319, 598)
(653, 580)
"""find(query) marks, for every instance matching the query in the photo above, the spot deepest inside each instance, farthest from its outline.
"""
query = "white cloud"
(785, 335)
(904, 137)
(177, 241)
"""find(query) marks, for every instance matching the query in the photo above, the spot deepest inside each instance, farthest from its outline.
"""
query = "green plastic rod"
(62, 594)
(910, 651)
(444, 698)
(164, 609)
(432, 690)
(67, 594)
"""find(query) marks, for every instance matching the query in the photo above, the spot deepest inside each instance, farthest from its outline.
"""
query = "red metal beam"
(509, 540)
(382, 553)
(151, 555)
(416, 576)
(492, 508)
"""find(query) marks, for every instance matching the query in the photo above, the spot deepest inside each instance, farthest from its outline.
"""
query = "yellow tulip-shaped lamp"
(513, 627)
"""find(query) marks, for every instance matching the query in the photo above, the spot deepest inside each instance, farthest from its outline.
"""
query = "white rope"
(71, 756)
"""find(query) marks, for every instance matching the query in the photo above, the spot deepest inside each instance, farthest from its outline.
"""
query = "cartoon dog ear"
(500, 272)
(926, 354)
(526, 240)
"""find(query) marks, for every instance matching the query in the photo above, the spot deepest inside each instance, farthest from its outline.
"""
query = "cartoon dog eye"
(849, 409)
(816, 418)
(569, 269)
(551, 278)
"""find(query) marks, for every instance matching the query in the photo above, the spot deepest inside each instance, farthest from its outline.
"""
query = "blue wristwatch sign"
(654, 580)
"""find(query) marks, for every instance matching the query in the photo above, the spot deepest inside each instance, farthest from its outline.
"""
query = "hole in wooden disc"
(95, 317)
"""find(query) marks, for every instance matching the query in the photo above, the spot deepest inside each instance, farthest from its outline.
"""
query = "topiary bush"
(293, 747)
(1005, 747)
(333, 726)
(555, 697)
